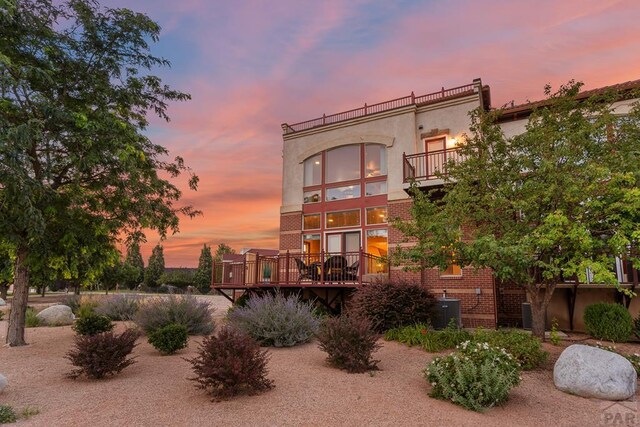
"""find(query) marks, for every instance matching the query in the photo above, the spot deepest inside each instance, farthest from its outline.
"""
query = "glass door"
(435, 156)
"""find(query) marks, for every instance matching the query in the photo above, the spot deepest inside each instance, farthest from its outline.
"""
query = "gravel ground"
(156, 392)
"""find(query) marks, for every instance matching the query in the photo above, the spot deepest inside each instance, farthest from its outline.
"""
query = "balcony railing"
(294, 269)
(423, 166)
(412, 99)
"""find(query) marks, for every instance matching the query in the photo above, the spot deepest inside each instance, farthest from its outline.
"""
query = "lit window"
(341, 193)
(377, 246)
(343, 219)
(376, 215)
(375, 188)
(311, 222)
(375, 160)
(312, 196)
(452, 269)
(343, 164)
(311, 243)
(313, 170)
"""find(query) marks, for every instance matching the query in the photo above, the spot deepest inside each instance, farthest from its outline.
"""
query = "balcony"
(292, 270)
(425, 167)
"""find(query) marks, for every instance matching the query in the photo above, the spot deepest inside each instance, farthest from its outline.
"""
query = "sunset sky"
(252, 65)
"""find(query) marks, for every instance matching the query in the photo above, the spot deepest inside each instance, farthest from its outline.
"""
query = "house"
(346, 174)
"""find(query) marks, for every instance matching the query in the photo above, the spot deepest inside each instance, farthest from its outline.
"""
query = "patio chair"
(334, 268)
(351, 272)
(304, 270)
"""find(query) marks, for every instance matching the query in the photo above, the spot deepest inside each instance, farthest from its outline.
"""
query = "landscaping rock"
(2, 302)
(3, 382)
(56, 315)
(592, 372)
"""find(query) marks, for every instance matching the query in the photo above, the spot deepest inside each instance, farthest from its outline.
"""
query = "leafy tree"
(155, 267)
(205, 266)
(6, 269)
(134, 266)
(540, 207)
(75, 163)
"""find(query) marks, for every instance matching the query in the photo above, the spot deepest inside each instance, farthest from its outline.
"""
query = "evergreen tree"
(205, 265)
(134, 266)
(155, 268)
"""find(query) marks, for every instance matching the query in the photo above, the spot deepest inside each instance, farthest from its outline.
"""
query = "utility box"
(447, 309)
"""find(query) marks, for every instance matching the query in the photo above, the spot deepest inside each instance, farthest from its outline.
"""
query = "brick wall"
(477, 310)
(291, 231)
(510, 299)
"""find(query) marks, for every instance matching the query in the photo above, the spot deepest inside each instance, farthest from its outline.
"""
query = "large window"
(375, 188)
(377, 245)
(313, 170)
(341, 193)
(311, 243)
(343, 164)
(311, 222)
(375, 160)
(312, 196)
(376, 215)
(343, 219)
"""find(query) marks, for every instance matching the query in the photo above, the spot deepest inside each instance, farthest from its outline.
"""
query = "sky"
(252, 65)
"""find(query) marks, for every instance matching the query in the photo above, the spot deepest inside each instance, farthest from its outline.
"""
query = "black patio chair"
(334, 268)
(304, 270)
(351, 272)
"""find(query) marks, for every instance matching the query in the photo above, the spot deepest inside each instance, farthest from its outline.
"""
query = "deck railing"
(427, 165)
(380, 107)
(300, 269)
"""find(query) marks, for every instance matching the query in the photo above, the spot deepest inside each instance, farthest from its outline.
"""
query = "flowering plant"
(476, 376)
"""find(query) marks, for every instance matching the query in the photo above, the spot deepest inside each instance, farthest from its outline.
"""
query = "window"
(343, 164)
(311, 243)
(375, 160)
(311, 222)
(376, 216)
(377, 246)
(313, 170)
(343, 219)
(375, 188)
(341, 193)
(452, 269)
(312, 196)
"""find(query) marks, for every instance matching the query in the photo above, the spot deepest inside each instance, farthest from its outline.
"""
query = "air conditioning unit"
(447, 309)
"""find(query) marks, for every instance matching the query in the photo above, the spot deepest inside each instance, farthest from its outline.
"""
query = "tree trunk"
(15, 331)
(538, 310)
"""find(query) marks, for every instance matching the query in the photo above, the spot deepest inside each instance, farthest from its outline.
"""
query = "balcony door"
(435, 158)
(340, 243)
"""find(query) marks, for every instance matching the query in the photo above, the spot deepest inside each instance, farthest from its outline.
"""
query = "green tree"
(75, 95)
(180, 278)
(134, 266)
(6, 268)
(540, 207)
(155, 267)
(222, 249)
(205, 266)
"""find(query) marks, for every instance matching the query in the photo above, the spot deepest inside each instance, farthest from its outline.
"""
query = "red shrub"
(349, 342)
(102, 354)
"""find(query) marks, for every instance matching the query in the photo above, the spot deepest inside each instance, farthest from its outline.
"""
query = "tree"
(222, 249)
(74, 100)
(6, 269)
(134, 266)
(181, 278)
(155, 267)
(203, 274)
(540, 207)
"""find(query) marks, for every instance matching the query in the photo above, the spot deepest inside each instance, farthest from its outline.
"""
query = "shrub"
(276, 320)
(119, 307)
(393, 304)
(423, 336)
(7, 414)
(476, 376)
(155, 313)
(349, 342)
(230, 364)
(170, 338)
(606, 321)
(31, 319)
(72, 301)
(102, 354)
(90, 323)
(525, 347)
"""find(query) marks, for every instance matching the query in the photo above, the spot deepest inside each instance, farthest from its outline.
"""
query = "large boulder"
(3, 382)
(56, 315)
(2, 302)
(592, 372)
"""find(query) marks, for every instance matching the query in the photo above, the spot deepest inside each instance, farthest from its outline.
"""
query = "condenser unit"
(447, 309)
